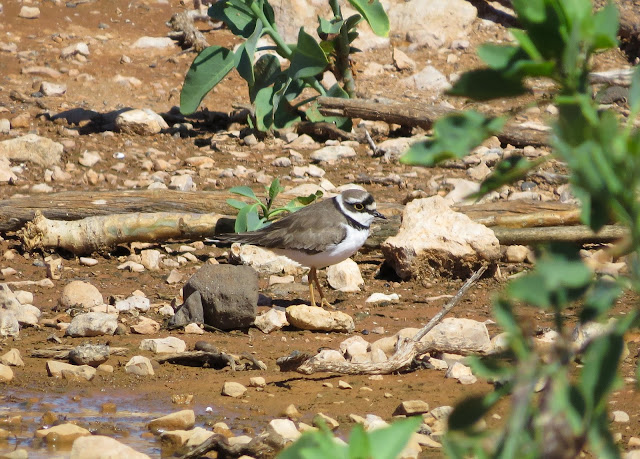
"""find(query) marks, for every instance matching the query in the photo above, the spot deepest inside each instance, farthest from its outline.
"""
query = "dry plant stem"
(615, 77)
(96, 234)
(220, 443)
(62, 352)
(406, 350)
(419, 115)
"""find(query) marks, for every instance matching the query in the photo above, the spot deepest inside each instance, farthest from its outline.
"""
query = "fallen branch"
(577, 234)
(217, 360)
(406, 349)
(98, 234)
(219, 443)
(420, 115)
(62, 352)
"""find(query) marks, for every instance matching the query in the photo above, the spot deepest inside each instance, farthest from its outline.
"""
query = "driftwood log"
(406, 349)
(413, 114)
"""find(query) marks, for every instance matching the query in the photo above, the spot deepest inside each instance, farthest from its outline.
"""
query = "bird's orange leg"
(323, 300)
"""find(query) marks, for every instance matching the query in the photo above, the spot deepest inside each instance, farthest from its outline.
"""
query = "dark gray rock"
(89, 354)
(223, 296)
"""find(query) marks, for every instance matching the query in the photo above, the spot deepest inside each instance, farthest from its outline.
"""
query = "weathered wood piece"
(98, 234)
(412, 114)
(219, 443)
(62, 352)
(406, 350)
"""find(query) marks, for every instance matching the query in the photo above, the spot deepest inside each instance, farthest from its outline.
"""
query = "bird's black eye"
(358, 206)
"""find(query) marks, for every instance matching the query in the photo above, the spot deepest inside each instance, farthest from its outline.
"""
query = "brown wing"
(299, 230)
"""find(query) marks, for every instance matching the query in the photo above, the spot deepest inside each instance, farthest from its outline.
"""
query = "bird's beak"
(379, 215)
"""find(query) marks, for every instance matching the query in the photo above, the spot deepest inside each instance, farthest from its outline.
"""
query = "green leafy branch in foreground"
(275, 92)
(384, 443)
(257, 214)
(557, 41)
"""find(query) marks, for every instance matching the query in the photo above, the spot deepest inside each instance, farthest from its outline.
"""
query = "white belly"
(334, 254)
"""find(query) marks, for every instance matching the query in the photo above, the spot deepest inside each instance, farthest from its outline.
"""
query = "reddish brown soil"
(32, 392)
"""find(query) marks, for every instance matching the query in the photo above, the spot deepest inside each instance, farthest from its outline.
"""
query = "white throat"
(364, 218)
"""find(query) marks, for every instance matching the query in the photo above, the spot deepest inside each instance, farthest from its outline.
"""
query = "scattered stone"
(79, 48)
(321, 418)
(62, 433)
(460, 372)
(620, 416)
(9, 325)
(146, 326)
(140, 122)
(233, 389)
(139, 365)
(170, 345)
(402, 61)
(185, 438)
(273, 319)
(65, 370)
(6, 373)
(153, 42)
(182, 183)
(174, 277)
(102, 447)
(92, 324)
(382, 298)
(459, 335)
(52, 89)
(479, 172)
(318, 319)
(428, 79)
(344, 385)
(345, 276)
(262, 260)
(193, 329)
(32, 148)
(38, 70)
(223, 296)
(516, 253)
(80, 294)
(292, 412)
(257, 381)
(355, 345)
(411, 407)
(433, 239)
(89, 354)
(54, 268)
(634, 442)
(329, 356)
(29, 12)
(134, 302)
(332, 153)
(150, 259)
(12, 358)
(280, 432)
(180, 420)
(281, 161)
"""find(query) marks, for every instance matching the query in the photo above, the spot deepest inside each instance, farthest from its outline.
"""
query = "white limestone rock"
(345, 276)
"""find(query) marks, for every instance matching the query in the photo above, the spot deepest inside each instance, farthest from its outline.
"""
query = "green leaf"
(275, 189)
(359, 445)
(306, 200)
(453, 137)
(264, 108)
(308, 59)
(236, 204)
(530, 10)
(600, 370)
(467, 412)
(244, 191)
(487, 84)
(342, 122)
(498, 56)
(242, 219)
(243, 58)
(328, 27)
(236, 14)
(634, 93)
(526, 44)
(600, 299)
(266, 70)
(606, 26)
(600, 438)
(374, 14)
(314, 445)
(207, 70)
(254, 221)
(389, 441)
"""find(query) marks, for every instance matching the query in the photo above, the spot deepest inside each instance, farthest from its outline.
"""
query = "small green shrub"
(275, 92)
(257, 214)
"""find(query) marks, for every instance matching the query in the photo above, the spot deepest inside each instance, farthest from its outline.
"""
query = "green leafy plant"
(557, 41)
(274, 92)
(384, 443)
(257, 214)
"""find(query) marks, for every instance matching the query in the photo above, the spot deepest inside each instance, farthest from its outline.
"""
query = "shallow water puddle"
(116, 414)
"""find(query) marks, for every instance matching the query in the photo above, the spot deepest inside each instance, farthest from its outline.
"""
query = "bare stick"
(220, 443)
(406, 349)
(449, 306)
